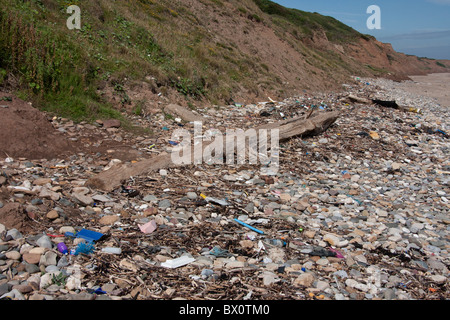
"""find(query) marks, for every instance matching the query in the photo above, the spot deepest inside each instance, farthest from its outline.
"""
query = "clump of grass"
(307, 22)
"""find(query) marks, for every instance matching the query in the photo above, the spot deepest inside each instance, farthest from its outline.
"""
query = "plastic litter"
(84, 248)
(219, 252)
(215, 200)
(112, 250)
(178, 262)
(248, 226)
(149, 227)
(88, 235)
(62, 248)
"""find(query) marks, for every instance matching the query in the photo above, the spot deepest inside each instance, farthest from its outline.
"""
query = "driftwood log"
(382, 103)
(297, 127)
(183, 113)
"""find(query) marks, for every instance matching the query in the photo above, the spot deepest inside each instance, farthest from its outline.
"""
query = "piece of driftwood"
(183, 113)
(382, 103)
(297, 127)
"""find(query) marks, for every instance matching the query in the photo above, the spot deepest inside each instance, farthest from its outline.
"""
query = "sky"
(417, 27)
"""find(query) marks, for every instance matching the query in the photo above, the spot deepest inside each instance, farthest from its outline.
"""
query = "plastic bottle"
(112, 250)
(276, 242)
(62, 248)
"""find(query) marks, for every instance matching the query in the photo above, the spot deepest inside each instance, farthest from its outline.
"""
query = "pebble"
(44, 242)
(351, 213)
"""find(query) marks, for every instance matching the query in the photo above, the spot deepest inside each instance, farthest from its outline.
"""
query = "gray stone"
(82, 199)
(31, 268)
(44, 242)
(163, 204)
(389, 294)
(150, 198)
(191, 195)
(14, 233)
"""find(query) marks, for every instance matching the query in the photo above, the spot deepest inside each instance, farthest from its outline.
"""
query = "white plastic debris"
(178, 262)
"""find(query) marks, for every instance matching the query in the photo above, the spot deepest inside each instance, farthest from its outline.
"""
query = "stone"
(111, 123)
(305, 279)
(44, 242)
(192, 195)
(331, 239)
(82, 199)
(163, 204)
(439, 279)
(109, 219)
(42, 181)
(23, 288)
(13, 255)
(150, 198)
(101, 198)
(53, 214)
(48, 259)
(31, 258)
(269, 278)
(65, 229)
(32, 268)
(48, 194)
(389, 294)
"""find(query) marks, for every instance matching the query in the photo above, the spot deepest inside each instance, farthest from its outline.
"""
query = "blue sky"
(418, 27)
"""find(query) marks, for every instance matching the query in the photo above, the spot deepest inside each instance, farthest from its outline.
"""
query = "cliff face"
(129, 53)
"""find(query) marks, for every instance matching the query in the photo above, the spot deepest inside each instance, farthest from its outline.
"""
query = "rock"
(269, 278)
(111, 123)
(73, 283)
(32, 268)
(150, 198)
(101, 198)
(108, 219)
(163, 204)
(389, 294)
(42, 181)
(48, 194)
(65, 229)
(31, 258)
(23, 288)
(44, 242)
(14, 234)
(305, 279)
(356, 285)
(48, 259)
(191, 195)
(82, 199)
(331, 239)
(439, 279)
(53, 214)
(13, 255)
(14, 294)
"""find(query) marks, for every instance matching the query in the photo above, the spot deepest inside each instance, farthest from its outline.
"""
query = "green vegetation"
(122, 42)
(307, 22)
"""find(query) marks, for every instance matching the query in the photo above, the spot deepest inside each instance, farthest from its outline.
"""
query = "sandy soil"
(436, 85)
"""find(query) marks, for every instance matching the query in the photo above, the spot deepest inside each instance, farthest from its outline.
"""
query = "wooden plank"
(115, 176)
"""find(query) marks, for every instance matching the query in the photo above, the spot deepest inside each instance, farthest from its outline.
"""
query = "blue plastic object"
(85, 248)
(88, 235)
(249, 226)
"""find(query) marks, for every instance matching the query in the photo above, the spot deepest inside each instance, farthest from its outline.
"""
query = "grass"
(307, 22)
(59, 70)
